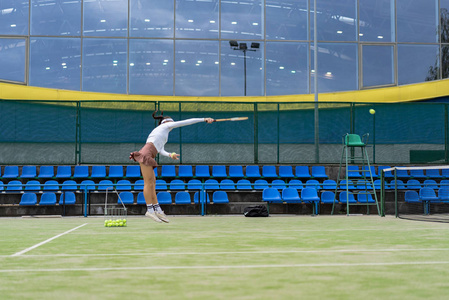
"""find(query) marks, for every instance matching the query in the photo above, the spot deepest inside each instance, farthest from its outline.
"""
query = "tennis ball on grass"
(372, 111)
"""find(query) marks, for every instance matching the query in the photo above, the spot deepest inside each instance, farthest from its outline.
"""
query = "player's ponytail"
(160, 117)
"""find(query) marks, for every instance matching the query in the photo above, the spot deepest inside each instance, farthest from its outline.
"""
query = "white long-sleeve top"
(159, 135)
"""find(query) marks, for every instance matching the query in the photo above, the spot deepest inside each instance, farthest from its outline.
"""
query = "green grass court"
(224, 257)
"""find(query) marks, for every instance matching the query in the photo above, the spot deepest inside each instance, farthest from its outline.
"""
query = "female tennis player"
(146, 158)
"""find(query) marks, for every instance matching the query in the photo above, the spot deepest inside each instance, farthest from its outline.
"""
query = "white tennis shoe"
(153, 216)
(162, 217)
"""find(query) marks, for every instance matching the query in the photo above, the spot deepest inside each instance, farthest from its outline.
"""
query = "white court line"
(159, 268)
(317, 251)
(46, 241)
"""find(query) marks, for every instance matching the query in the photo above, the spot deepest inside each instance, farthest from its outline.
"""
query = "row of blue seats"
(428, 194)
(68, 198)
(310, 195)
(167, 171)
(414, 184)
(416, 173)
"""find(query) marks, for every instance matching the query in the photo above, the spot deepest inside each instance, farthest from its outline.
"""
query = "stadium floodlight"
(233, 43)
(255, 45)
(243, 47)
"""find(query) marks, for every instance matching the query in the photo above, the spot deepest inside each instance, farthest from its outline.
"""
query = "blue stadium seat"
(32, 185)
(363, 185)
(133, 171)
(365, 198)
(342, 185)
(377, 184)
(28, 172)
(14, 186)
(417, 173)
(445, 173)
(161, 185)
(291, 195)
(227, 184)
(28, 199)
(67, 198)
(329, 184)
(182, 198)
(69, 185)
(46, 172)
(444, 183)
(138, 185)
(177, 184)
(430, 183)
(164, 198)
(141, 198)
(349, 197)
(98, 172)
(433, 173)
(194, 184)
(2, 186)
(197, 195)
(413, 184)
(388, 174)
(269, 172)
(354, 172)
(412, 197)
(327, 197)
(286, 172)
(260, 184)
(211, 184)
(428, 194)
(127, 198)
(302, 172)
(115, 172)
(123, 185)
(373, 171)
(48, 198)
(278, 184)
(309, 195)
(220, 197)
(156, 172)
(81, 172)
(236, 172)
(296, 183)
(319, 172)
(63, 172)
(244, 184)
(105, 184)
(219, 172)
(202, 171)
(89, 184)
(313, 183)
(51, 185)
(252, 172)
(399, 183)
(185, 171)
(271, 195)
(402, 174)
(11, 172)
(443, 194)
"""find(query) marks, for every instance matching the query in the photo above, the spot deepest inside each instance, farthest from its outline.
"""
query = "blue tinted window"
(233, 70)
(105, 65)
(55, 17)
(55, 62)
(12, 59)
(197, 19)
(14, 17)
(242, 19)
(411, 69)
(376, 21)
(336, 20)
(286, 20)
(287, 68)
(378, 65)
(417, 21)
(337, 67)
(196, 65)
(105, 18)
(444, 15)
(151, 18)
(151, 67)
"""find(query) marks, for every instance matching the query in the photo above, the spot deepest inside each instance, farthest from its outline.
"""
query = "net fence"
(418, 193)
(105, 132)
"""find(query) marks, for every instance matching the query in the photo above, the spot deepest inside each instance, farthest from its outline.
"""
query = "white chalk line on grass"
(221, 267)
(46, 241)
(317, 251)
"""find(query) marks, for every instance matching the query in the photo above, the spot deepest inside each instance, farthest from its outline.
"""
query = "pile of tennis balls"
(115, 223)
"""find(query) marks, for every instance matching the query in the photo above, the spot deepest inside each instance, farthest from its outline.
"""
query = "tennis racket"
(232, 119)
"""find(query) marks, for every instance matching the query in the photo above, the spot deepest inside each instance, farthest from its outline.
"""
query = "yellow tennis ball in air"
(372, 111)
(173, 154)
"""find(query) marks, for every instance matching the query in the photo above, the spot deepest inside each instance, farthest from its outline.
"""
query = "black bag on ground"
(256, 211)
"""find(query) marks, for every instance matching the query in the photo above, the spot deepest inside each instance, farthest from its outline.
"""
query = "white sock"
(157, 208)
(150, 208)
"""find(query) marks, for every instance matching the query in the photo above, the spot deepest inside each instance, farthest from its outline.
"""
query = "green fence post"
(278, 132)
(256, 136)
(180, 133)
(78, 133)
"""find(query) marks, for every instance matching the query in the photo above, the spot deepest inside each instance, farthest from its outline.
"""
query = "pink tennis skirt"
(146, 155)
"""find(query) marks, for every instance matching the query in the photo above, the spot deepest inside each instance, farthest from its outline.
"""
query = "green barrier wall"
(105, 132)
